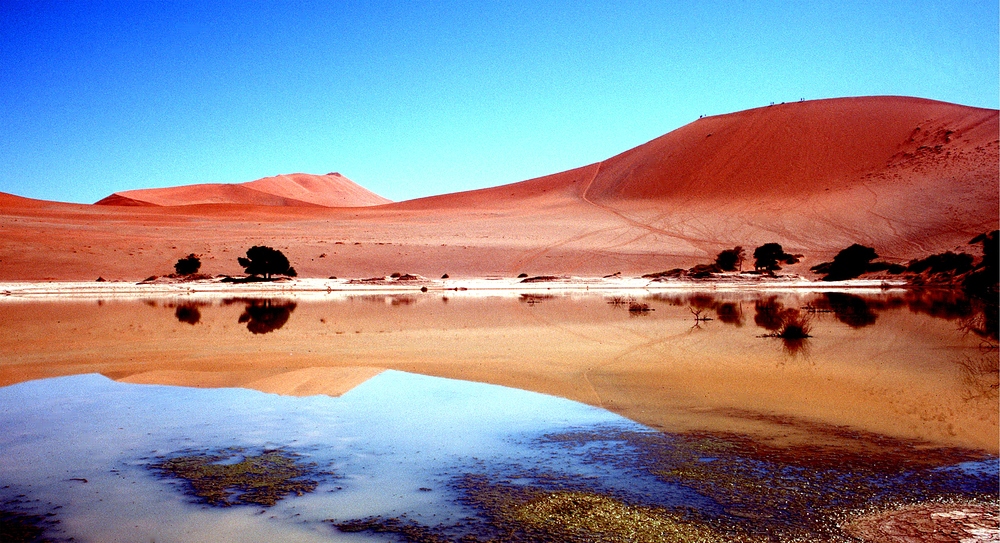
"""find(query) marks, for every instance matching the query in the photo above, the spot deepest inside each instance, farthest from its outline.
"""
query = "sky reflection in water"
(81, 447)
(382, 442)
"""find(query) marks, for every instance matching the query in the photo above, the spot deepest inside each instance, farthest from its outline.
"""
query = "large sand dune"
(907, 176)
(297, 189)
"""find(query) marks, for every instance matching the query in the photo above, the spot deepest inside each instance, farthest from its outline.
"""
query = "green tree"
(265, 261)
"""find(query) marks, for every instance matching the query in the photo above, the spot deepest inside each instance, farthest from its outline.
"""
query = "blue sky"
(418, 98)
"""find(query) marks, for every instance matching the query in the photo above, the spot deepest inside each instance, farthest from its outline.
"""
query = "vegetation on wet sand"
(580, 516)
(233, 477)
(517, 514)
(18, 527)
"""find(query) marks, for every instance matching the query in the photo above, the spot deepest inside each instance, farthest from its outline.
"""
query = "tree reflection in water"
(849, 309)
(265, 316)
(971, 314)
(188, 313)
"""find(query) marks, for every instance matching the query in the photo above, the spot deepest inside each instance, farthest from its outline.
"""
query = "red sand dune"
(297, 189)
(907, 176)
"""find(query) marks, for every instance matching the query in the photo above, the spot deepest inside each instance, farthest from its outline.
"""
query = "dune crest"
(908, 176)
(296, 190)
(777, 151)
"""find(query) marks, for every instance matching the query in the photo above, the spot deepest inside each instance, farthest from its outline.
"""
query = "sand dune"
(297, 189)
(907, 176)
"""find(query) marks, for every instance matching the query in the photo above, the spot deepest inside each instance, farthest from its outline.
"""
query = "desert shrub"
(188, 265)
(788, 325)
(947, 262)
(265, 261)
(769, 256)
(731, 259)
(669, 274)
(887, 267)
(991, 248)
(703, 270)
(848, 264)
(794, 327)
(983, 281)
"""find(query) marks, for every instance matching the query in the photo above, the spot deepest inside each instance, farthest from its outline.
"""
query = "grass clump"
(231, 477)
(586, 516)
(792, 328)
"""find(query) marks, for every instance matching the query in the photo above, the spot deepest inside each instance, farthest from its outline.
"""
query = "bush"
(947, 262)
(848, 264)
(767, 257)
(982, 283)
(189, 265)
(702, 271)
(731, 259)
(265, 261)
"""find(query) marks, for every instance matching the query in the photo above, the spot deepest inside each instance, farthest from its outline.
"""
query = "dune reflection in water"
(84, 446)
(896, 383)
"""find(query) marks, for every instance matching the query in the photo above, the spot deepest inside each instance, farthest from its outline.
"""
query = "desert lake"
(515, 416)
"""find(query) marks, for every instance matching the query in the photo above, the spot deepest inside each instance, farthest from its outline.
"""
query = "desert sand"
(907, 176)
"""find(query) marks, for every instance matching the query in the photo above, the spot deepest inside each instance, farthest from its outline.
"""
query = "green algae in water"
(231, 477)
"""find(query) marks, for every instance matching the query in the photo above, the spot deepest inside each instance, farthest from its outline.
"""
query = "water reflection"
(263, 316)
(769, 313)
(118, 462)
(431, 459)
(730, 313)
(849, 309)
(854, 310)
(900, 371)
(981, 377)
(188, 313)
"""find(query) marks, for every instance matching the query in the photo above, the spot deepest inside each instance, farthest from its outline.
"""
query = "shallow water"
(394, 403)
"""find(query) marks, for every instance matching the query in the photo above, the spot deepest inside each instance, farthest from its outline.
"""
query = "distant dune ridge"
(783, 150)
(907, 176)
(297, 189)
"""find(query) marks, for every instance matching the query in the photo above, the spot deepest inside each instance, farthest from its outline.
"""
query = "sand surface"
(907, 176)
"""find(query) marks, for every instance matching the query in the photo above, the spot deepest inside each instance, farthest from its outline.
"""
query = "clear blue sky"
(418, 98)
